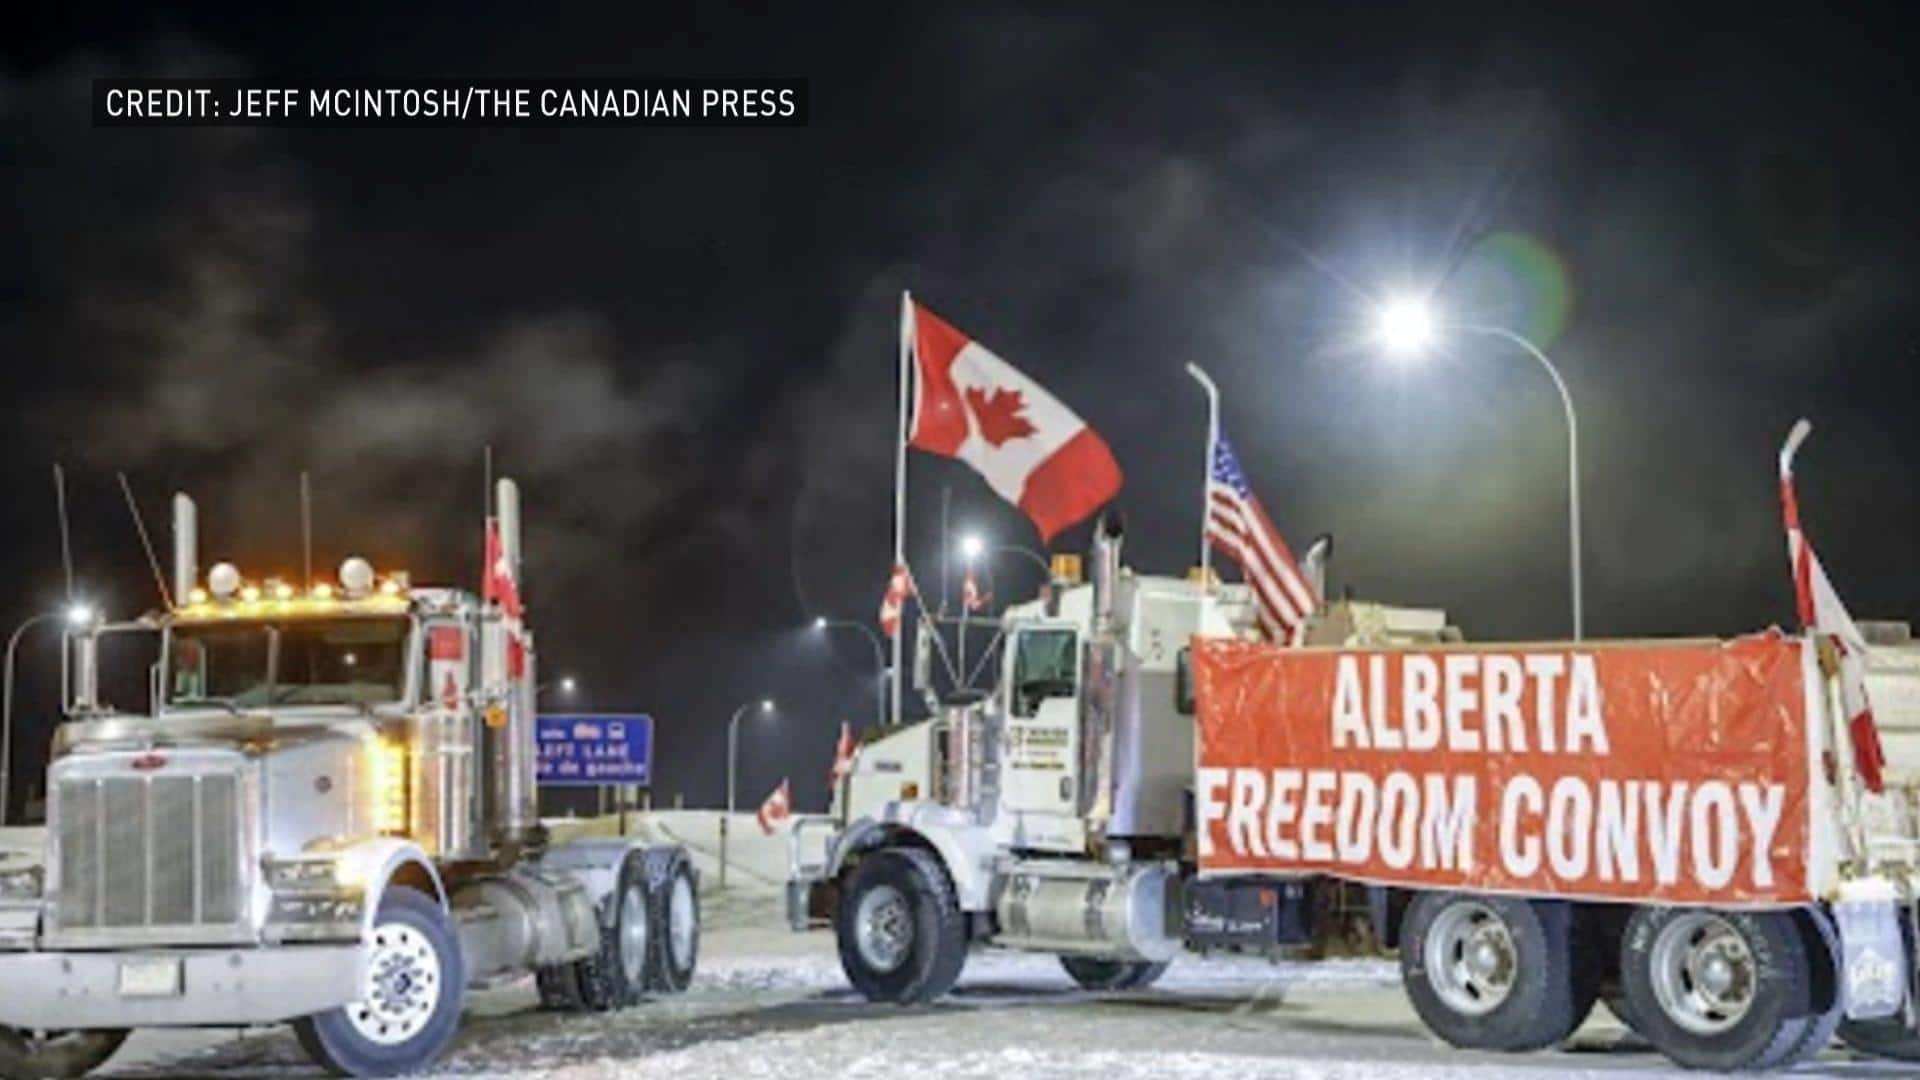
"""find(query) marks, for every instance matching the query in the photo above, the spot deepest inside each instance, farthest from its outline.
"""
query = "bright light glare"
(766, 704)
(79, 615)
(819, 622)
(1405, 326)
(567, 684)
(971, 546)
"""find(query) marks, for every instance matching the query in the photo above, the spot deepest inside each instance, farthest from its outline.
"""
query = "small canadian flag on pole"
(1033, 451)
(1822, 612)
(501, 588)
(843, 754)
(899, 587)
(777, 808)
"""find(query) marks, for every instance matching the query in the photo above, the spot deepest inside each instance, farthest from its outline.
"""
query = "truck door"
(1042, 687)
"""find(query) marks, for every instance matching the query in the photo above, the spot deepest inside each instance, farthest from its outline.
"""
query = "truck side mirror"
(1183, 682)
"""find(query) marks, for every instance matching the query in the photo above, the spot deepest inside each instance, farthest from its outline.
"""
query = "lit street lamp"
(1406, 327)
(76, 615)
(822, 624)
(765, 706)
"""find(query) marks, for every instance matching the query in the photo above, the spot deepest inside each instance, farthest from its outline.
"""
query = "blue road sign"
(592, 750)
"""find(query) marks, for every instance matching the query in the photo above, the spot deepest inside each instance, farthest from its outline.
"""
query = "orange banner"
(1675, 772)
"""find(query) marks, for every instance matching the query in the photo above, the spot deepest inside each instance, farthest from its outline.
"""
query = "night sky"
(682, 342)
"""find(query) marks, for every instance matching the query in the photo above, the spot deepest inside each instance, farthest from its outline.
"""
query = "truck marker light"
(197, 596)
(283, 592)
(250, 594)
(387, 790)
(323, 591)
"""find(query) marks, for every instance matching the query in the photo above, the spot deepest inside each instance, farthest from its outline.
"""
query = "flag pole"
(900, 481)
(1206, 477)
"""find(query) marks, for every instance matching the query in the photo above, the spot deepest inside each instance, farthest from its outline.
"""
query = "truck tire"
(901, 934)
(1097, 973)
(616, 975)
(1822, 942)
(676, 920)
(1714, 989)
(416, 981)
(1888, 1037)
(1492, 972)
(55, 1055)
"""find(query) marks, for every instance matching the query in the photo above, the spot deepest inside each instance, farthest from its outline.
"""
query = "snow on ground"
(769, 1004)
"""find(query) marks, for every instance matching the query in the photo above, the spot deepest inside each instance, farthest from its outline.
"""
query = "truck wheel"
(416, 979)
(1491, 972)
(1822, 942)
(55, 1055)
(676, 920)
(1888, 1037)
(901, 934)
(1721, 990)
(616, 976)
(1097, 973)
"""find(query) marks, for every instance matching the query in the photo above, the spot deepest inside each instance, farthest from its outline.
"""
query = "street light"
(822, 624)
(733, 748)
(1406, 326)
(972, 546)
(76, 615)
(567, 685)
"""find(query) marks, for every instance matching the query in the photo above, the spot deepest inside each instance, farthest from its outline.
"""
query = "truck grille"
(147, 852)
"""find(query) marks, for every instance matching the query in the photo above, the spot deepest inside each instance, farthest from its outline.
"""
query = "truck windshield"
(305, 662)
(1046, 664)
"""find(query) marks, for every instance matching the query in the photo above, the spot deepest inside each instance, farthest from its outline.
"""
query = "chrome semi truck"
(1149, 780)
(326, 817)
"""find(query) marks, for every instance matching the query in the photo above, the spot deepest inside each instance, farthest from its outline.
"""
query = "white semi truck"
(1076, 812)
(327, 817)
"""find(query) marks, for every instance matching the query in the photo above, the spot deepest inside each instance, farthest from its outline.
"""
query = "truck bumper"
(213, 986)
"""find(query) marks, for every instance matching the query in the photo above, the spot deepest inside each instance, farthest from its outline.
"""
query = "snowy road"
(773, 1005)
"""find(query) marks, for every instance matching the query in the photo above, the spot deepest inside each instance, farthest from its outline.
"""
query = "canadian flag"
(970, 594)
(1822, 612)
(843, 754)
(777, 808)
(899, 586)
(501, 588)
(1032, 450)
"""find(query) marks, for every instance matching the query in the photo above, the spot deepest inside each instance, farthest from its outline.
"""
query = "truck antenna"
(66, 535)
(159, 579)
(306, 528)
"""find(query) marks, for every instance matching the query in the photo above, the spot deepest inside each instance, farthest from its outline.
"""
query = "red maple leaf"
(997, 412)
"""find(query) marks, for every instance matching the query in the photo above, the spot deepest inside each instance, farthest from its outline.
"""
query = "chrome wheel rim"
(1471, 959)
(683, 922)
(1703, 972)
(633, 935)
(401, 989)
(883, 928)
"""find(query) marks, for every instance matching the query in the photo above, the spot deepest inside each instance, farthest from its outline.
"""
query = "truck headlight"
(303, 875)
(22, 883)
(387, 786)
(316, 910)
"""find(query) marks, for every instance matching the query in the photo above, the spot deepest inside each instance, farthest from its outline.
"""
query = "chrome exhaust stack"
(186, 542)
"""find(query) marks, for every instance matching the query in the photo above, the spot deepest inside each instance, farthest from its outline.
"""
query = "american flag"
(1238, 526)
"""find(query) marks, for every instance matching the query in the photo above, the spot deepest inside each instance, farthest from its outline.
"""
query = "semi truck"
(1670, 826)
(327, 817)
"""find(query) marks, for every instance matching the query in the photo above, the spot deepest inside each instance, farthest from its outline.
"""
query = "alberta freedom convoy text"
(1425, 817)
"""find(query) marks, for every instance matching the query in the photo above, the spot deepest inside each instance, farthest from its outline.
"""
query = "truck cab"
(326, 817)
